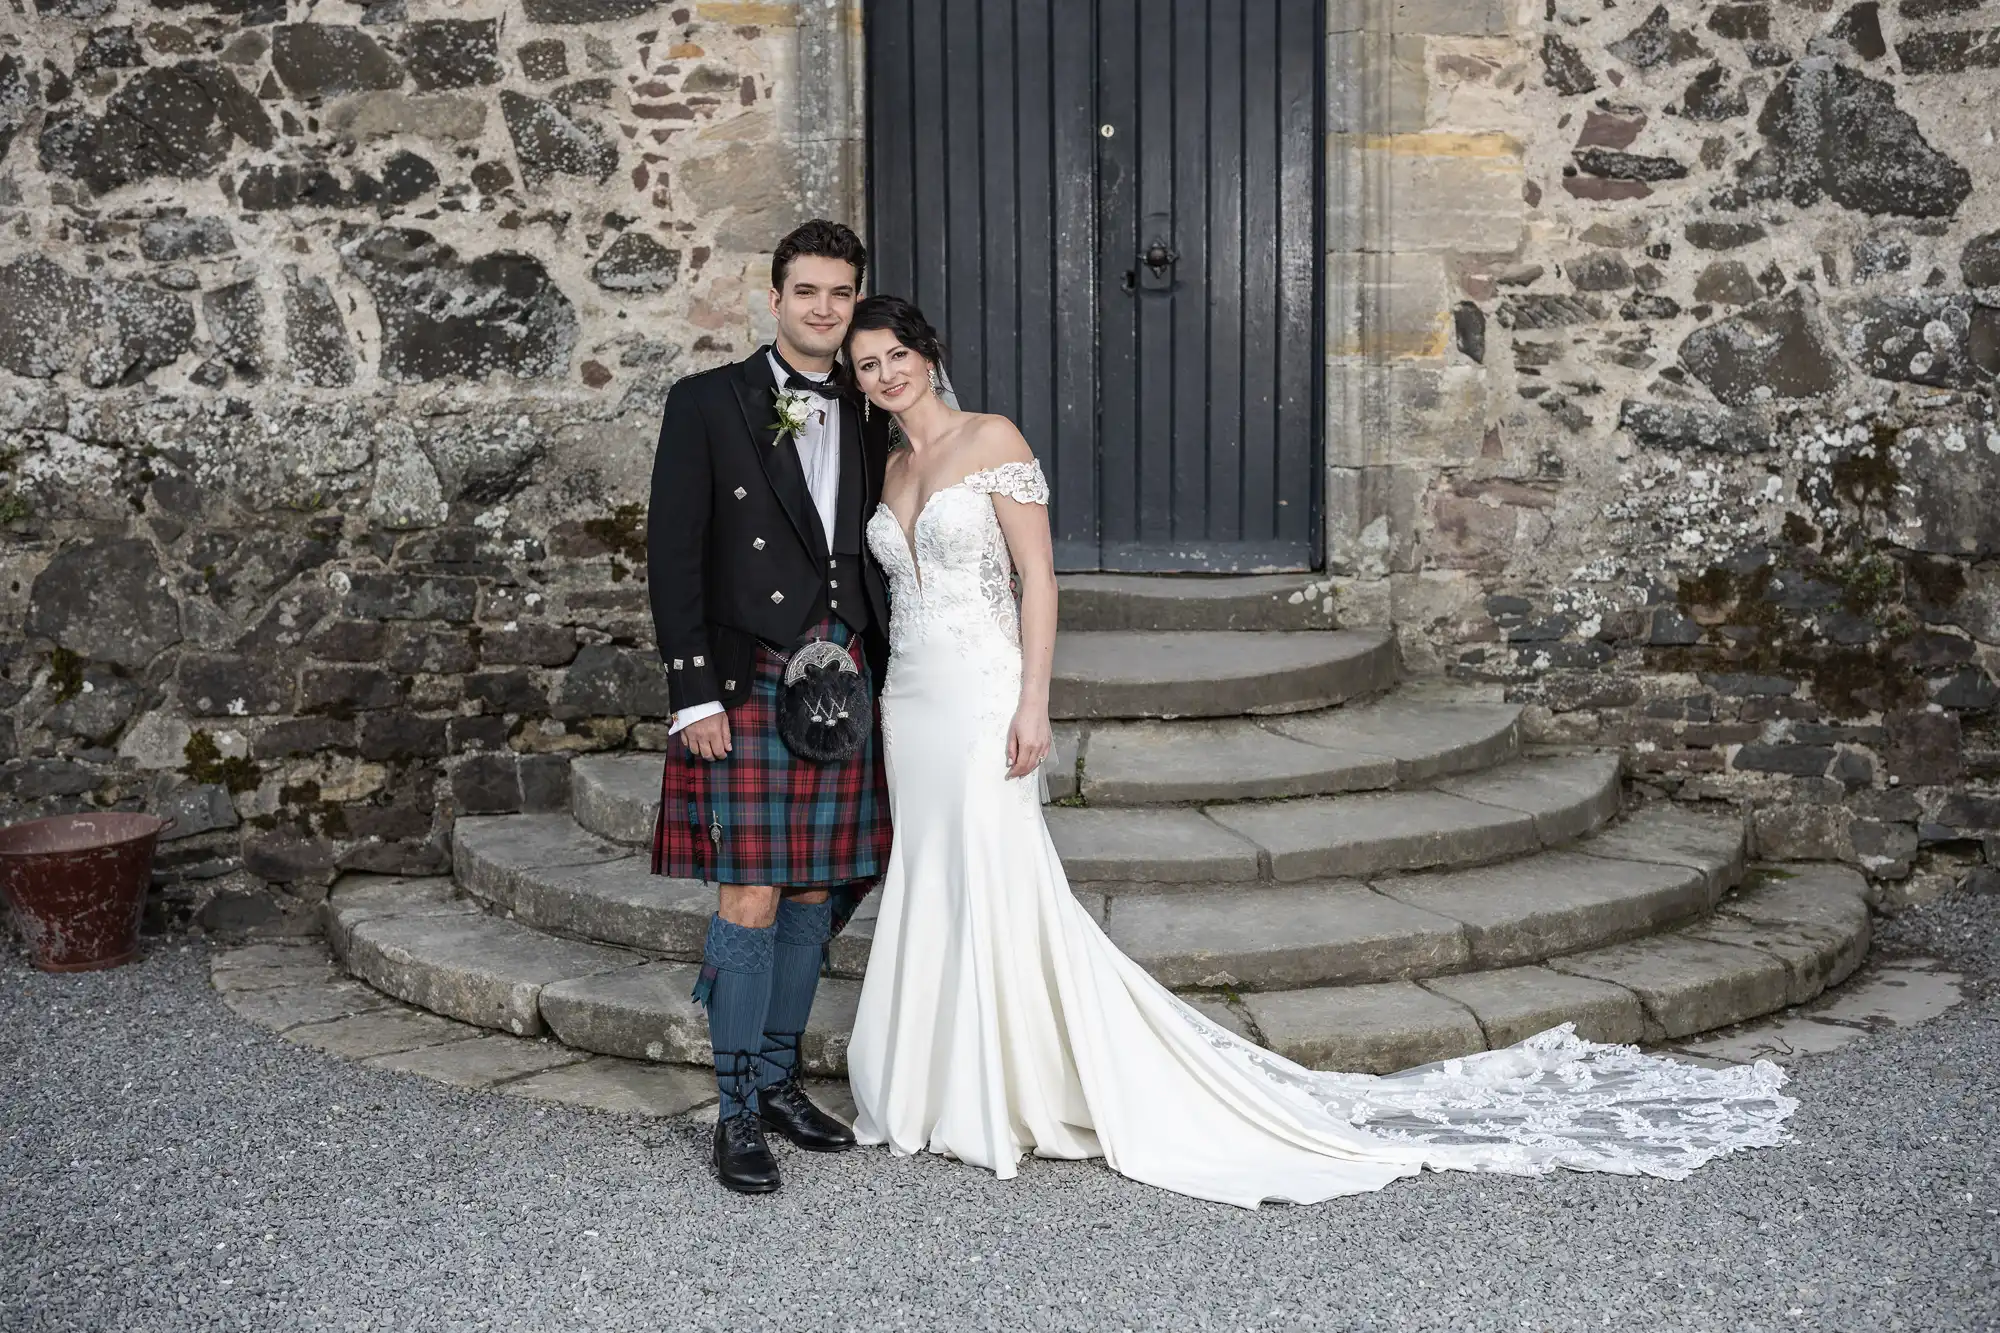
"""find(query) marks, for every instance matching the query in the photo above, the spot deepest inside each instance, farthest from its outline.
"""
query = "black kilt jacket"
(735, 549)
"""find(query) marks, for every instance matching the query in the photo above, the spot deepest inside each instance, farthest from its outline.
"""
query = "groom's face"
(815, 304)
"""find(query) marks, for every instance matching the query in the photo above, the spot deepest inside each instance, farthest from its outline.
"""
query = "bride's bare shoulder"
(994, 440)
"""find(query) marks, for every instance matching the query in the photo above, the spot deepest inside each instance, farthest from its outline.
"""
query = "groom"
(754, 543)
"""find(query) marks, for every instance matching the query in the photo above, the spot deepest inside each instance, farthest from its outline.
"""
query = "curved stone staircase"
(1357, 875)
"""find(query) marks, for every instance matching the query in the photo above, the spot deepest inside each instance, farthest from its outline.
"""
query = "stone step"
(1517, 808)
(1779, 942)
(1107, 673)
(1400, 740)
(1664, 866)
(1230, 602)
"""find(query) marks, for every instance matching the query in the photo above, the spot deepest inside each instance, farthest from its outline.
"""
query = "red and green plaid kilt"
(762, 815)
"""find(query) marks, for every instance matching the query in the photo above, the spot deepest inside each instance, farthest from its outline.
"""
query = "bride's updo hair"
(900, 318)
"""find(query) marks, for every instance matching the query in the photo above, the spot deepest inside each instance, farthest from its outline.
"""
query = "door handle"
(1159, 257)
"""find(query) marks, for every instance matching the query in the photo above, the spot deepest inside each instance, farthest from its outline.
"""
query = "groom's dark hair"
(828, 240)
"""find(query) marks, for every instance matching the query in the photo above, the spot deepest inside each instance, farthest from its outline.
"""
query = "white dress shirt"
(819, 456)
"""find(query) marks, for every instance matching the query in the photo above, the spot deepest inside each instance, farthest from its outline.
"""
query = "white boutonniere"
(794, 410)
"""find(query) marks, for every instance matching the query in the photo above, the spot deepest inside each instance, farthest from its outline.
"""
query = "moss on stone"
(65, 674)
(207, 764)
(622, 532)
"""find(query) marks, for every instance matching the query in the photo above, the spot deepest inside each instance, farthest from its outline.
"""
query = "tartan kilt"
(761, 815)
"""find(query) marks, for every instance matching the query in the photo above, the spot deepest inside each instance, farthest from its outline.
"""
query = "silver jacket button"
(757, 545)
(833, 606)
(777, 597)
(728, 684)
(833, 583)
(740, 492)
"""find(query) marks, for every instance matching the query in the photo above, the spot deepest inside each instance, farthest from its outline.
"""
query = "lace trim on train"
(1554, 1100)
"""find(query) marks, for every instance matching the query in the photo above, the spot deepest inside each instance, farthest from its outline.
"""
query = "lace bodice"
(955, 575)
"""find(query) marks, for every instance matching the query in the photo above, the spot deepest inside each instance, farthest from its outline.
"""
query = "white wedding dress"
(997, 1019)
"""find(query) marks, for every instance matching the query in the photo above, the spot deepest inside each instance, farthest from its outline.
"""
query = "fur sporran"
(824, 710)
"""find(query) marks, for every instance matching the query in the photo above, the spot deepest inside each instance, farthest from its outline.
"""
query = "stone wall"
(332, 337)
(332, 343)
(1666, 343)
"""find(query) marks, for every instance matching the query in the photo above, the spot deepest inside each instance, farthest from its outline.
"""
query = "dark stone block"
(1834, 132)
(452, 53)
(1775, 349)
(1879, 254)
(1861, 28)
(1564, 68)
(387, 821)
(528, 645)
(1887, 851)
(104, 601)
(1922, 748)
(400, 735)
(1979, 262)
(544, 782)
(550, 143)
(1711, 97)
(1548, 311)
(1969, 691)
(196, 808)
(1602, 272)
(442, 317)
(235, 316)
(405, 597)
(45, 779)
(1949, 342)
(545, 60)
(238, 911)
(288, 857)
(586, 11)
(1950, 52)
(234, 686)
(1742, 23)
(421, 648)
(1727, 282)
(1468, 323)
(1671, 629)
(1800, 761)
(1547, 630)
(316, 337)
(182, 121)
(111, 48)
(636, 263)
(1970, 810)
(1650, 308)
(119, 332)
(1669, 426)
(344, 688)
(321, 59)
(477, 733)
(17, 99)
(1853, 770)
(1656, 42)
(349, 641)
(1615, 165)
(1749, 684)
(1710, 235)
(506, 692)
(97, 711)
(486, 785)
(305, 735)
(605, 681)
(396, 858)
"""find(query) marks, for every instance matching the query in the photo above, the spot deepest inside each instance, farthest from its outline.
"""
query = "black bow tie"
(825, 388)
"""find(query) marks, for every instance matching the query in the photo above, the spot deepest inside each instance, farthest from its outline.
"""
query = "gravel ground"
(167, 1166)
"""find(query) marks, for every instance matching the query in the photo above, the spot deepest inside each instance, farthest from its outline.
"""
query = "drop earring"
(936, 384)
(864, 407)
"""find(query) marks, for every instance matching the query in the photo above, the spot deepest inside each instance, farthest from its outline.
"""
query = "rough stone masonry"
(1663, 350)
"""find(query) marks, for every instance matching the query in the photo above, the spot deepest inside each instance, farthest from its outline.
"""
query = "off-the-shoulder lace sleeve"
(1017, 481)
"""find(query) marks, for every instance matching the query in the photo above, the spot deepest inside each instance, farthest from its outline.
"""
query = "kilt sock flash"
(802, 931)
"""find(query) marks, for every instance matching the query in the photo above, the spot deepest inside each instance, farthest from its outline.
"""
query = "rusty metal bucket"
(77, 885)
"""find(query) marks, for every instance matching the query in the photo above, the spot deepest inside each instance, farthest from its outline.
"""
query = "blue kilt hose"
(761, 815)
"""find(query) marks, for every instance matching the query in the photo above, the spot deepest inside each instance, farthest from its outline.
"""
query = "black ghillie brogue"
(743, 1161)
(787, 1110)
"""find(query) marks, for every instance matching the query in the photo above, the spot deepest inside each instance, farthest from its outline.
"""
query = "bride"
(997, 1019)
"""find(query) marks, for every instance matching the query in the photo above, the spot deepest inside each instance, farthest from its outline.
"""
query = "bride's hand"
(1027, 741)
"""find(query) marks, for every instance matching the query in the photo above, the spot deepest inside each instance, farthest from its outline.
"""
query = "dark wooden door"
(1111, 211)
